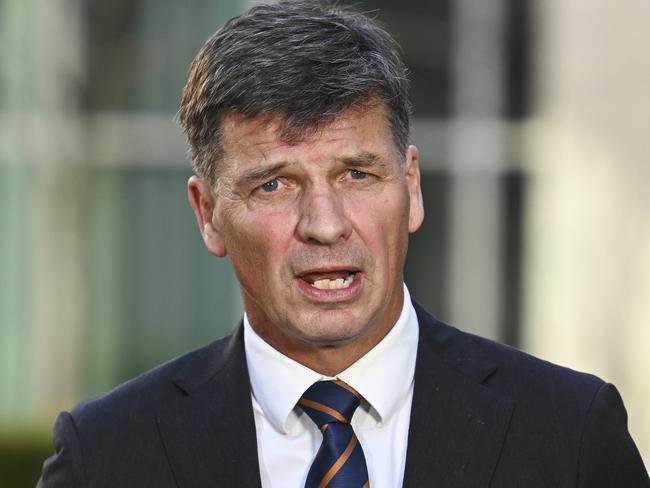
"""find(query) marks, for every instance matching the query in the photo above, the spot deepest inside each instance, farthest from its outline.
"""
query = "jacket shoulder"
(567, 419)
(114, 439)
(500, 366)
(137, 398)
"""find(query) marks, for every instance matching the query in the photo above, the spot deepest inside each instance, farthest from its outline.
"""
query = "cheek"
(257, 244)
(382, 218)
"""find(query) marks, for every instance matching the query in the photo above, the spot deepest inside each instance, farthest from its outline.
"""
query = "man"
(297, 117)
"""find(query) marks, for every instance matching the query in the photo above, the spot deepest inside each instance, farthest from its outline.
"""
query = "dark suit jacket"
(483, 415)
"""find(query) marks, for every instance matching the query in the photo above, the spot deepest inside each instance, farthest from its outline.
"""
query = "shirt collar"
(383, 376)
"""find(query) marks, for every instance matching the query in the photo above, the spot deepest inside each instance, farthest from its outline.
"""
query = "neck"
(330, 360)
(326, 358)
(312, 348)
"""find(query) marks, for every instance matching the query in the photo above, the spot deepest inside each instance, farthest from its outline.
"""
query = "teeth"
(337, 284)
(321, 284)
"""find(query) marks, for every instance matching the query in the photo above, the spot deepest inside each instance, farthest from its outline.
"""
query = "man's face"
(316, 230)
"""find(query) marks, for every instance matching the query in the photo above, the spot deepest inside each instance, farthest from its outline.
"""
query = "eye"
(357, 175)
(270, 186)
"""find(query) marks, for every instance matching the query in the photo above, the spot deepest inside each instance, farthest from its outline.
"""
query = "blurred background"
(532, 122)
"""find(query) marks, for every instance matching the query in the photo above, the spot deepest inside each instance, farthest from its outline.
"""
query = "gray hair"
(303, 62)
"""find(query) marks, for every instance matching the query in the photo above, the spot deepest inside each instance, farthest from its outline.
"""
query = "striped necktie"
(340, 462)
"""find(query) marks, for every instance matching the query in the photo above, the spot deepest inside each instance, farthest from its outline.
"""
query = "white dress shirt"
(287, 439)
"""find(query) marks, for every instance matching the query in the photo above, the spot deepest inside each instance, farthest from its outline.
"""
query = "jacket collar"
(209, 430)
(458, 425)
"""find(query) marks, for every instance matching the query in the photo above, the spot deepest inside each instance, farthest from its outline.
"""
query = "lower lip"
(331, 296)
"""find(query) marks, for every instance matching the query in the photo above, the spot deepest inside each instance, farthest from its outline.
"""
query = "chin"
(331, 341)
(331, 335)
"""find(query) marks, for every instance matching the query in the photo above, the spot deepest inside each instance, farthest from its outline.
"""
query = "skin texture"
(287, 213)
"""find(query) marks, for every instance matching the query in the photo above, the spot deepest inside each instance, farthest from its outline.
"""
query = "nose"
(322, 217)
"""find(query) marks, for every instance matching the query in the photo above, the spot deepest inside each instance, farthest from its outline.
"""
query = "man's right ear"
(202, 202)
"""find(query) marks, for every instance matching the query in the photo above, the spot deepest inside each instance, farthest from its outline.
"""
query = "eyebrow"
(363, 159)
(256, 175)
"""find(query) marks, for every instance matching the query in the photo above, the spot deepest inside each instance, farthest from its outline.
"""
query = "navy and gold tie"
(340, 462)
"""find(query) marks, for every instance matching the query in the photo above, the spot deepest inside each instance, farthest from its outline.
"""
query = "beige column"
(476, 154)
(42, 147)
(60, 221)
(588, 241)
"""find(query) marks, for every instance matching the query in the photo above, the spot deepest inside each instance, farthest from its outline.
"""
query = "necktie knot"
(330, 401)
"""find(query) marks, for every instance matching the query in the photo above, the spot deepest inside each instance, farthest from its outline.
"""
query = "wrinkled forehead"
(240, 134)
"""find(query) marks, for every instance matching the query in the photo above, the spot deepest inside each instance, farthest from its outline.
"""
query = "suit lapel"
(209, 430)
(457, 424)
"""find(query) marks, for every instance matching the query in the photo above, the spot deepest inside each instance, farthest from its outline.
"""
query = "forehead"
(248, 142)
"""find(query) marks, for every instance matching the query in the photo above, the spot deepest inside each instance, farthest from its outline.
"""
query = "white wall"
(588, 245)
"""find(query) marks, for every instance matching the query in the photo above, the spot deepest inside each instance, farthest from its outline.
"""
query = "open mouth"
(330, 280)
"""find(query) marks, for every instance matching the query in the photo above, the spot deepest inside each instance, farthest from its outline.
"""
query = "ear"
(412, 174)
(202, 201)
